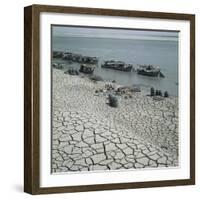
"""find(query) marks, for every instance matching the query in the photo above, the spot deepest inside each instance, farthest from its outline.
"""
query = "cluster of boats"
(146, 70)
(88, 64)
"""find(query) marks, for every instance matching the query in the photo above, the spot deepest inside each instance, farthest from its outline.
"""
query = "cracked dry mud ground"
(87, 134)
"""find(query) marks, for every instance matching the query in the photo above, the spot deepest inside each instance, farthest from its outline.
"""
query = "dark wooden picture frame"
(32, 96)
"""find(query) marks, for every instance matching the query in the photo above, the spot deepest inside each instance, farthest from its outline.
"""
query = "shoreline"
(90, 135)
(131, 77)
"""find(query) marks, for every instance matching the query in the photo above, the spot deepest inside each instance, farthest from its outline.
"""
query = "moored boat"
(79, 58)
(57, 54)
(148, 70)
(87, 69)
(117, 65)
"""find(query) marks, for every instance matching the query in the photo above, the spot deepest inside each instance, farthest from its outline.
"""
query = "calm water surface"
(160, 53)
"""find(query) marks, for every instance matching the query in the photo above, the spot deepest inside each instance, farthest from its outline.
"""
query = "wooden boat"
(117, 65)
(87, 69)
(79, 58)
(149, 70)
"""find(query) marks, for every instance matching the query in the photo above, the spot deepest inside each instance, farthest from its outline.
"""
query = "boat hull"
(145, 73)
(125, 69)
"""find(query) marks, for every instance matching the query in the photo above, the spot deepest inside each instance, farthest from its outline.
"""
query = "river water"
(132, 51)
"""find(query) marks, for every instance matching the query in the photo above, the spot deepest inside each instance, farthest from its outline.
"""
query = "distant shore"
(88, 134)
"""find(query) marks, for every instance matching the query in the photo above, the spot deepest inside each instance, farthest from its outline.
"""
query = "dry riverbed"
(88, 134)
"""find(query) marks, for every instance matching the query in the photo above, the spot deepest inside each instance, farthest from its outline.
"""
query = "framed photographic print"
(109, 99)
